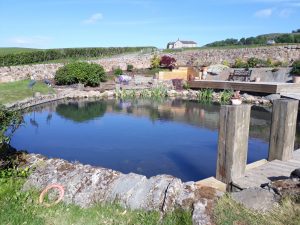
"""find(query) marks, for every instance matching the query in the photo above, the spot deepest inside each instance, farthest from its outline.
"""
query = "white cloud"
(34, 41)
(264, 13)
(285, 13)
(93, 19)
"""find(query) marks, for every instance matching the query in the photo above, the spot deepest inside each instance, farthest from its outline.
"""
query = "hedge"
(66, 53)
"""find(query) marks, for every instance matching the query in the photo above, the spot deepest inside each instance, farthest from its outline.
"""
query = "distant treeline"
(289, 38)
(66, 53)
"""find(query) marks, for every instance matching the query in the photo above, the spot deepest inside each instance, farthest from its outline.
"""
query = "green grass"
(18, 208)
(14, 91)
(5, 51)
(228, 212)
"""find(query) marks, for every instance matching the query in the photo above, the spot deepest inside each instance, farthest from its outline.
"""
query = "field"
(5, 51)
(14, 91)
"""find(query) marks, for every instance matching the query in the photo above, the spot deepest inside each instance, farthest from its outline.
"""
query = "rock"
(273, 97)
(217, 68)
(286, 187)
(37, 94)
(80, 87)
(172, 93)
(108, 93)
(85, 185)
(257, 199)
(248, 98)
(295, 174)
(200, 216)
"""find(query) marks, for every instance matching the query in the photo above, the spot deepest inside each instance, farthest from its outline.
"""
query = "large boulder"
(258, 199)
(85, 185)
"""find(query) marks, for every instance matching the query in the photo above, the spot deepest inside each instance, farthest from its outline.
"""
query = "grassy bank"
(18, 207)
(228, 212)
(14, 91)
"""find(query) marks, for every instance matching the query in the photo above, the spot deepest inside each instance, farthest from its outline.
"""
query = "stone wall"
(41, 71)
(215, 56)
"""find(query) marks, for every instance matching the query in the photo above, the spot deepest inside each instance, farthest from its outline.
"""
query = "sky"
(105, 23)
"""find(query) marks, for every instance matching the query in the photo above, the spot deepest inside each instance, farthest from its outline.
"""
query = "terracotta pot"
(191, 77)
(236, 101)
(296, 79)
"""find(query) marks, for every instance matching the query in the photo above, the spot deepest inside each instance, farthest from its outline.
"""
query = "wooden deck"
(263, 174)
(262, 87)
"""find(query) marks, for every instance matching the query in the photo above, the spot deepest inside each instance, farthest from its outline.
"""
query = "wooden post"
(283, 129)
(233, 142)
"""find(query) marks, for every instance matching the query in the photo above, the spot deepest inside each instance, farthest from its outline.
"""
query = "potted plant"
(236, 98)
(204, 69)
(296, 71)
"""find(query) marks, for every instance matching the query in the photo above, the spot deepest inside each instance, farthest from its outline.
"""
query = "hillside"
(13, 50)
(279, 38)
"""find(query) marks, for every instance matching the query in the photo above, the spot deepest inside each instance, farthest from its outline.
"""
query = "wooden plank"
(233, 142)
(291, 95)
(283, 129)
(212, 182)
(261, 174)
(290, 163)
(256, 164)
(262, 87)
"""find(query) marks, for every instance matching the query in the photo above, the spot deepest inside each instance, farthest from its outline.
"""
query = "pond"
(148, 137)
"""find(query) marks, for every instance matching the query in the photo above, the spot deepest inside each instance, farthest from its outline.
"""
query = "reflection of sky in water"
(181, 141)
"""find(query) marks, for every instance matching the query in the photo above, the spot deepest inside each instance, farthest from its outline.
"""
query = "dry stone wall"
(215, 56)
(42, 71)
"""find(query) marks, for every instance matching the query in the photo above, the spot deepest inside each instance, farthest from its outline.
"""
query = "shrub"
(9, 122)
(118, 72)
(239, 63)
(253, 62)
(129, 68)
(226, 63)
(155, 61)
(167, 62)
(296, 68)
(80, 72)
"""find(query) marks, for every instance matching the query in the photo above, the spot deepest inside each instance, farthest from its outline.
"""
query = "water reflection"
(148, 137)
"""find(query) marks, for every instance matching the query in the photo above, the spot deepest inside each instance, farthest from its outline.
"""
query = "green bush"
(129, 68)
(239, 63)
(253, 62)
(296, 68)
(9, 122)
(80, 72)
(118, 72)
(155, 62)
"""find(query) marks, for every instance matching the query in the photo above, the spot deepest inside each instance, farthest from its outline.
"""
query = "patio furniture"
(242, 73)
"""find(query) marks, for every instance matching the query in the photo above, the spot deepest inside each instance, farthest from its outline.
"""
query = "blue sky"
(97, 23)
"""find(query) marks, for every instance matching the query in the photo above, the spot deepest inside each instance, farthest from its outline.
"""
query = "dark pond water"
(147, 137)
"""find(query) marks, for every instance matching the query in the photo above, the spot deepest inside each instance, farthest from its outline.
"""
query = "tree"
(168, 62)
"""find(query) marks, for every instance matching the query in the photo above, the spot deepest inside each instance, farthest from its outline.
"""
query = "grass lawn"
(13, 91)
(18, 208)
(228, 212)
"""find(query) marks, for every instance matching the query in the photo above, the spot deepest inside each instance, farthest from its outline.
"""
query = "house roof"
(171, 43)
(188, 42)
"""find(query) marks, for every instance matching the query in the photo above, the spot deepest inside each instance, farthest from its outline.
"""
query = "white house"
(271, 42)
(181, 44)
